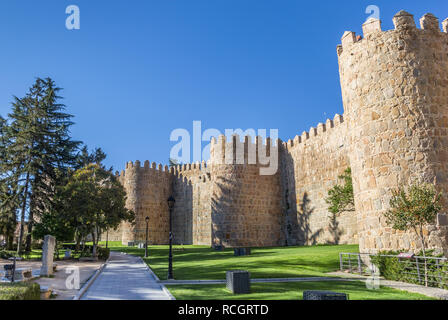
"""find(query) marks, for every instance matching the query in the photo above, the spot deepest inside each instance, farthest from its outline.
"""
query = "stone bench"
(241, 252)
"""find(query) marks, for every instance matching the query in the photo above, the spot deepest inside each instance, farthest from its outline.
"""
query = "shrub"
(103, 253)
(405, 270)
(19, 291)
(4, 254)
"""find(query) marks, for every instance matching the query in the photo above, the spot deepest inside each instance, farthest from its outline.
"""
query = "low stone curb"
(87, 285)
(156, 278)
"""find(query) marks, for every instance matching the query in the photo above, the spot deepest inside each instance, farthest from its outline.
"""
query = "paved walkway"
(126, 277)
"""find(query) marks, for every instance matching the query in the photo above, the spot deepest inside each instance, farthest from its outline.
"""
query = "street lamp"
(171, 202)
(146, 245)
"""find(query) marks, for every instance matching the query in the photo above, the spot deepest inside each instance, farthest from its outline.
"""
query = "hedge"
(19, 291)
(393, 269)
(103, 253)
(4, 254)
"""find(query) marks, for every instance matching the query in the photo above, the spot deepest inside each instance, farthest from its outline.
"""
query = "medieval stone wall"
(394, 131)
(395, 94)
(311, 164)
(192, 211)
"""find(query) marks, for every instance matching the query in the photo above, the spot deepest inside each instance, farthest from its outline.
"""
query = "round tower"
(129, 179)
(395, 94)
(245, 204)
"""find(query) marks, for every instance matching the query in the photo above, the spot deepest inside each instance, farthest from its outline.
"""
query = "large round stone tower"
(395, 95)
(245, 204)
(147, 190)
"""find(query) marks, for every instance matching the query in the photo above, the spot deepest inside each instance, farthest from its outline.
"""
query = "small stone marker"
(238, 281)
(47, 256)
(324, 295)
(68, 254)
(241, 251)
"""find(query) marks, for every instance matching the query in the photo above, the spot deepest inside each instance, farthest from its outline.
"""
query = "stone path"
(126, 277)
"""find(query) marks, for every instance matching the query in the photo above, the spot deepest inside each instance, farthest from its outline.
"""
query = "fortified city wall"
(394, 131)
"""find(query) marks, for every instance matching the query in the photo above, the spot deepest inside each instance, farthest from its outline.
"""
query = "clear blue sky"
(136, 70)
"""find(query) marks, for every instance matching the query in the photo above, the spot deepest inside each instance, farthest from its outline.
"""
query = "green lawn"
(290, 291)
(204, 263)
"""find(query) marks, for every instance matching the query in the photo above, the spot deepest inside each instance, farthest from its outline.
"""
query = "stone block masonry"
(394, 131)
(395, 94)
(47, 256)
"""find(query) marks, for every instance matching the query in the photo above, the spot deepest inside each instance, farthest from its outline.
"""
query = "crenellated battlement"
(147, 167)
(234, 151)
(321, 129)
(403, 22)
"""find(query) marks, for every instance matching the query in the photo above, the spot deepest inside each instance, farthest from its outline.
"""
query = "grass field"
(204, 263)
(290, 291)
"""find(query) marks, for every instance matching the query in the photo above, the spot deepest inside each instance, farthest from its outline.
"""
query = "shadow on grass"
(193, 263)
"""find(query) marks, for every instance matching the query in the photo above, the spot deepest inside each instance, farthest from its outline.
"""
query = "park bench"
(19, 274)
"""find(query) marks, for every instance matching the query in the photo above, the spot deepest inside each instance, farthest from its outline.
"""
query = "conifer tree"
(39, 144)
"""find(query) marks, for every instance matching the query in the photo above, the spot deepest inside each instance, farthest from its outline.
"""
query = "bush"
(4, 254)
(393, 269)
(19, 291)
(103, 253)
(37, 245)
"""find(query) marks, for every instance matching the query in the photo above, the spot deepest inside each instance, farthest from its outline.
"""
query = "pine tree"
(39, 147)
(8, 191)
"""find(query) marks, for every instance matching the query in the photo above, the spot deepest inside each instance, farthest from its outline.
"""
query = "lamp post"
(171, 202)
(146, 244)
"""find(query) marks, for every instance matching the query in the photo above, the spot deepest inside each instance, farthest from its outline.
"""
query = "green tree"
(8, 213)
(413, 209)
(52, 223)
(340, 198)
(84, 157)
(95, 202)
(9, 197)
(39, 144)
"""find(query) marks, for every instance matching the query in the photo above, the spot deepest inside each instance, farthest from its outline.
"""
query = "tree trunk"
(10, 242)
(94, 245)
(30, 227)
(422, 239)
(22, 215)
(56, 251)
